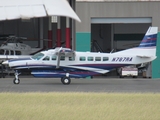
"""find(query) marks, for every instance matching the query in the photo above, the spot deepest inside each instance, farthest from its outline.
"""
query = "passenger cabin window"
(37, 56)
(47, 58)
(12, 52)
(82, 58)
(62, 58)
(7, 52)
(105, 58)
(90, 58)
(18, 52)
(71, 58)
(54, 57)
(97, 58)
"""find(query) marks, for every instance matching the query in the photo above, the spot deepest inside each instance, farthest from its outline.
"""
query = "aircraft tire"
(121, 76)
(134, 76)
(66, 80)
(16, 81)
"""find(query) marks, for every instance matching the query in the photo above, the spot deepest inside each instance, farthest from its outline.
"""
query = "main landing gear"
(16, 79)
(66, 80)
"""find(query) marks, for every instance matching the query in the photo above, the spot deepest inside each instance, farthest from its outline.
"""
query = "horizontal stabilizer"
(143, 56)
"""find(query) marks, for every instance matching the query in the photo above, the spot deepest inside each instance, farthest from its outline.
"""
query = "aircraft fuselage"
(83, 64)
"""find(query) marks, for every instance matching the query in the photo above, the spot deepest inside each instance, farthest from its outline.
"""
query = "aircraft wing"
(26, 9)
(66, 52)
(90, 69)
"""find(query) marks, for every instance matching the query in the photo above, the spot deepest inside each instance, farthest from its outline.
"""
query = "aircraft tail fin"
(147, 47)
(150, 38)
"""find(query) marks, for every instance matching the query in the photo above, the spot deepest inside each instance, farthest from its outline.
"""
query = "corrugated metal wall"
(88, 10)
(156, 62)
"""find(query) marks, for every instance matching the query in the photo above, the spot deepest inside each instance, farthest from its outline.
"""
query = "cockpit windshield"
(37, 56)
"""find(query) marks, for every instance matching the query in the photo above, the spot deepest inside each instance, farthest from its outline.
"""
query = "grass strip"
(79, 106)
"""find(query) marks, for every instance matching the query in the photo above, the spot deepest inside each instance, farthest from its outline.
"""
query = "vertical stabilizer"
(147, 47)
(150, 38)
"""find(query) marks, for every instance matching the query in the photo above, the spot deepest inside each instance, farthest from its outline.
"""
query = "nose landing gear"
(16, 80)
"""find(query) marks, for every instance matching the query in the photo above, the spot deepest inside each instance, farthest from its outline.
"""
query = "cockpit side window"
(37, 56)
(47, 58)
(54, 57)
(1, 52)
(18, 52)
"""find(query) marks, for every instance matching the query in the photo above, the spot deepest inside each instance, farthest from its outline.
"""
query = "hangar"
(112, 22)
(116, 24)
(38, 20)
(106, 25)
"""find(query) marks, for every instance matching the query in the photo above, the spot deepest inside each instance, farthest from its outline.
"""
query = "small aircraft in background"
(66, 63)
(14, 47)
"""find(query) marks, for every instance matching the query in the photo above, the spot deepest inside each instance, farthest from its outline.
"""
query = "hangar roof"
(26, 9)
(112, 0)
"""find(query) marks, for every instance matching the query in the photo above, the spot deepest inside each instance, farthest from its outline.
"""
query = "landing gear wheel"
(121, 76)
(134, 76)
(16, 81)
(66, 80)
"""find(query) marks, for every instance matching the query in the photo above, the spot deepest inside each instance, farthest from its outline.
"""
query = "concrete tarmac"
(124, 85)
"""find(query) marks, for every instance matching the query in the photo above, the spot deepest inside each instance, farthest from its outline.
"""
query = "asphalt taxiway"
(125, 85)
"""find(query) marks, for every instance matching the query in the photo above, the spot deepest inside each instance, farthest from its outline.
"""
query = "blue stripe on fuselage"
(71, 67)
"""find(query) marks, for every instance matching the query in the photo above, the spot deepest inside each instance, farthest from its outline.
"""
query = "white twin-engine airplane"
(66, 63)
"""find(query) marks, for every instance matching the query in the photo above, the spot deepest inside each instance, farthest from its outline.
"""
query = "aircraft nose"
(5, 62)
